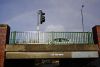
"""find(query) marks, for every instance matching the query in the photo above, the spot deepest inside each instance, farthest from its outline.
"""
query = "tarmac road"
(48, 65)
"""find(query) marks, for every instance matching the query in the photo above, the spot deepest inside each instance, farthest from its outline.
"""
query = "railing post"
(4, 39)
(14, 37)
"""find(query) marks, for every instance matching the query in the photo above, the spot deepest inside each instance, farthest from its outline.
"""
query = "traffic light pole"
(40, 20)
(38, 23)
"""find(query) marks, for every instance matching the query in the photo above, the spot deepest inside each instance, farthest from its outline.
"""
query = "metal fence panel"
(59, 38)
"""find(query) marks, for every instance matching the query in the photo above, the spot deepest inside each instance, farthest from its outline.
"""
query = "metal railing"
(34, 37)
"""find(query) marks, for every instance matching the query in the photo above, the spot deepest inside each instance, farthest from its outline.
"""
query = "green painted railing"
(33, 37)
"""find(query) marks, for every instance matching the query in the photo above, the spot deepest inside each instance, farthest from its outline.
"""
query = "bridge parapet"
(50, 48)
(35, 51)
(55, 44)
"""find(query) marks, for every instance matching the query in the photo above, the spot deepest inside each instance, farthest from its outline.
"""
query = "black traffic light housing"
(42, 17)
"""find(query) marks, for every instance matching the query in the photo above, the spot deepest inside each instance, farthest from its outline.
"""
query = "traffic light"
(42, 17)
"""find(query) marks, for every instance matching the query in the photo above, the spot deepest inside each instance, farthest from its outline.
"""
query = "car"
(61, 41)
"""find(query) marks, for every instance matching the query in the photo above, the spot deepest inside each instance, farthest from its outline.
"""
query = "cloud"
(61, 15)
(26, 21)
(55, 28)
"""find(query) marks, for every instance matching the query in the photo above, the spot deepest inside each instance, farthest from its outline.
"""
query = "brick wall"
(96, 34)
(4, 39)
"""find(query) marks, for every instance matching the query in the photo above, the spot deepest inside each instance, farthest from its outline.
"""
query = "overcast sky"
(61, 15)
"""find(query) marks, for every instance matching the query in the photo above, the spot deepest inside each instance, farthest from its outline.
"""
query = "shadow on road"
(62, 63)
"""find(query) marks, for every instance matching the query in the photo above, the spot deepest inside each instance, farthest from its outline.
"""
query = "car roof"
(61, 39)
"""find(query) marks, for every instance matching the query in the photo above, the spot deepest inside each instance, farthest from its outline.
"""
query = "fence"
(34, 37)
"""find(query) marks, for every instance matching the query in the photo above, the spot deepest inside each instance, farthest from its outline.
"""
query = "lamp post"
(82, 21)
(82, 18)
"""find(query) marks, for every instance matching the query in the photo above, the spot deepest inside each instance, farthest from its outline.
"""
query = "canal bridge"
(48, 45)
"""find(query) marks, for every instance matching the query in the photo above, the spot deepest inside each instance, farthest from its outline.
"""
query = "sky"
(60, 15)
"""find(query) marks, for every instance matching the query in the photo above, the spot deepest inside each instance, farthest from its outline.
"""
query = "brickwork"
(96, 34)
(4, 39)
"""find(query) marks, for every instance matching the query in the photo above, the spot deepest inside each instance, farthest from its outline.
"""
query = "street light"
(82, 6)
(82, 17)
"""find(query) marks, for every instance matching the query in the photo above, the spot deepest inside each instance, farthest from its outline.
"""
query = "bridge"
(44, 45)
